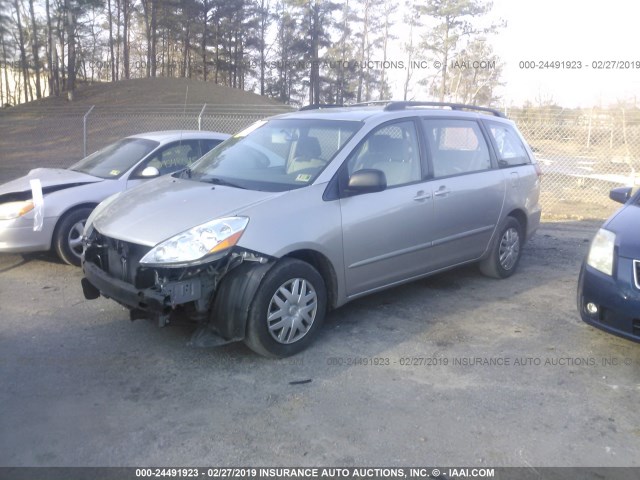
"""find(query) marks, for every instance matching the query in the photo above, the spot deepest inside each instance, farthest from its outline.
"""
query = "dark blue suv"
(609, 285)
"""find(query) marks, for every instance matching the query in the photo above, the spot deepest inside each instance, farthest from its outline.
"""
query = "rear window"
(509, 147)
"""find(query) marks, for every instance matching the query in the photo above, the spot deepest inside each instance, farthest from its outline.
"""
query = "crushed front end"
(112, 268)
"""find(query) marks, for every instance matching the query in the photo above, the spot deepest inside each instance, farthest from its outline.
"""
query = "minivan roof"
(362, 112)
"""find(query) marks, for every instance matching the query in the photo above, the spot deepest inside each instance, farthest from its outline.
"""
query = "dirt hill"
(153, 91)
(51, 132)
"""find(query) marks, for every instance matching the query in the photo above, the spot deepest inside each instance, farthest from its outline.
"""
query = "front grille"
(636, 273)
(121, 260)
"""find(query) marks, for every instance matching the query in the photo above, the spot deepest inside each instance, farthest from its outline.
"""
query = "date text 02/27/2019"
(579, 65)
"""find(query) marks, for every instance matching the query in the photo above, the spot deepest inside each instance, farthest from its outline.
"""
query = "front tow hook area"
(90, 292)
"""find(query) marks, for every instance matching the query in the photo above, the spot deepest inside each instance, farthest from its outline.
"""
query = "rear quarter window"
(509, 148)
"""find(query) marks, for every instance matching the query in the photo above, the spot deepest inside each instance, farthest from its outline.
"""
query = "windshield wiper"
(220, 181)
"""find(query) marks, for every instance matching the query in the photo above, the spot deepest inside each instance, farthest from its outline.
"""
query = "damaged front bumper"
(159, 299)
(112, 269)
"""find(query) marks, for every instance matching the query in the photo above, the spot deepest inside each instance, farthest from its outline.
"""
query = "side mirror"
(367, 180)
(150, 172)
(620, 194)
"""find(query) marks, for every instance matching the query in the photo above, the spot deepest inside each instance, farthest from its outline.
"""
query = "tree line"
(295, 51)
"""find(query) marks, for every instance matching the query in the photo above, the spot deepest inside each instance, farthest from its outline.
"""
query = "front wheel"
(506, 251)
(67, 239)
(287, 310)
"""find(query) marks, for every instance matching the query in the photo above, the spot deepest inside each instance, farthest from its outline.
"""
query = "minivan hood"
(162, 208)
(625, 224)
(49, 178)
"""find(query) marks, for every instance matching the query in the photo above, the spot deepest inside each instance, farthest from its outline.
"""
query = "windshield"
(278, 155)
(117, 158)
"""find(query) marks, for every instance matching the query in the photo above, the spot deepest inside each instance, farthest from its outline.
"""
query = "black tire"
(505, 252)
(67, 235)
(260, 338)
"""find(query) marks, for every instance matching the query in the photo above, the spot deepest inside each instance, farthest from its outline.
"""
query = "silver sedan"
(47, 208)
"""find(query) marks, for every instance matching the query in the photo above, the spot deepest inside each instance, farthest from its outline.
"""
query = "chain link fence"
(56, 137)
(582, 154)
(105, 125)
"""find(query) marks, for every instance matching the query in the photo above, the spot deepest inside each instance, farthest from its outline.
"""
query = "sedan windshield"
(275, 156)
(116, 159)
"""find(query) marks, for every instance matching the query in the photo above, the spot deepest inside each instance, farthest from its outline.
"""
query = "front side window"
(116, 159)
(175, 156)
(456, 147)
(509, 147)
(278, 155)
(392, 148)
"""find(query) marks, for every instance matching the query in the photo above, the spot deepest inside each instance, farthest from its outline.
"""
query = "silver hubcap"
(509, 248)
(74, 239)
(292, 311)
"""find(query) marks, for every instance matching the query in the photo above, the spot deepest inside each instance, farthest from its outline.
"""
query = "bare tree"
(263, 22)
(24, 67)
(71, 50)
(389, 8)
(35, 49)
(51, 54)
(112, 59)
(412, 17)
(126, 18)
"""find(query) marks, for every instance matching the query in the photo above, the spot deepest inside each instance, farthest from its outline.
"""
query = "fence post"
(84, 132)
(200, 117)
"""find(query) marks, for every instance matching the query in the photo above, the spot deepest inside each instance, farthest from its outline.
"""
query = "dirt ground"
(457, 369)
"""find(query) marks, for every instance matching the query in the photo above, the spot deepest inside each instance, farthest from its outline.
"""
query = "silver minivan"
(305, 211)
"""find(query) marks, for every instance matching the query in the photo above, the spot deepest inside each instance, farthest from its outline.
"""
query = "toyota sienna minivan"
(305, 211)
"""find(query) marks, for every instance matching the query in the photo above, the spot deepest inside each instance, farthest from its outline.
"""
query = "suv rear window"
(509, 147)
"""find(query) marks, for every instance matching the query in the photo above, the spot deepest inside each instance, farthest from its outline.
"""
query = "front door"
(386, 234)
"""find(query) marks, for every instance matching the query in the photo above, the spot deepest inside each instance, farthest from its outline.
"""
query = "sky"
(570, 30)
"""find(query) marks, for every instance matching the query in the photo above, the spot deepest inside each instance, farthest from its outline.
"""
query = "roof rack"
(392, 106)
(318, 106)
(370, 103)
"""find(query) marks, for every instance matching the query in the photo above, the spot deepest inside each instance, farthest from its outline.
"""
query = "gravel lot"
(83, 386)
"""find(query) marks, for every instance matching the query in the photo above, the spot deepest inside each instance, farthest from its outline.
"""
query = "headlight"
(11, 210)
(205, 239)
(88, 225)
(601, 251)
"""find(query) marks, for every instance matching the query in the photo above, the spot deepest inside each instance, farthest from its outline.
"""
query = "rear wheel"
(287, 310)
(67, 238)
(505, 253)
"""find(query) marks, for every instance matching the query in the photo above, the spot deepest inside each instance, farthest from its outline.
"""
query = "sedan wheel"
(67, 239)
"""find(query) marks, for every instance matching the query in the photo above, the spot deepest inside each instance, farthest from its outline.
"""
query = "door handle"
(422, 195)
(442, 192)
